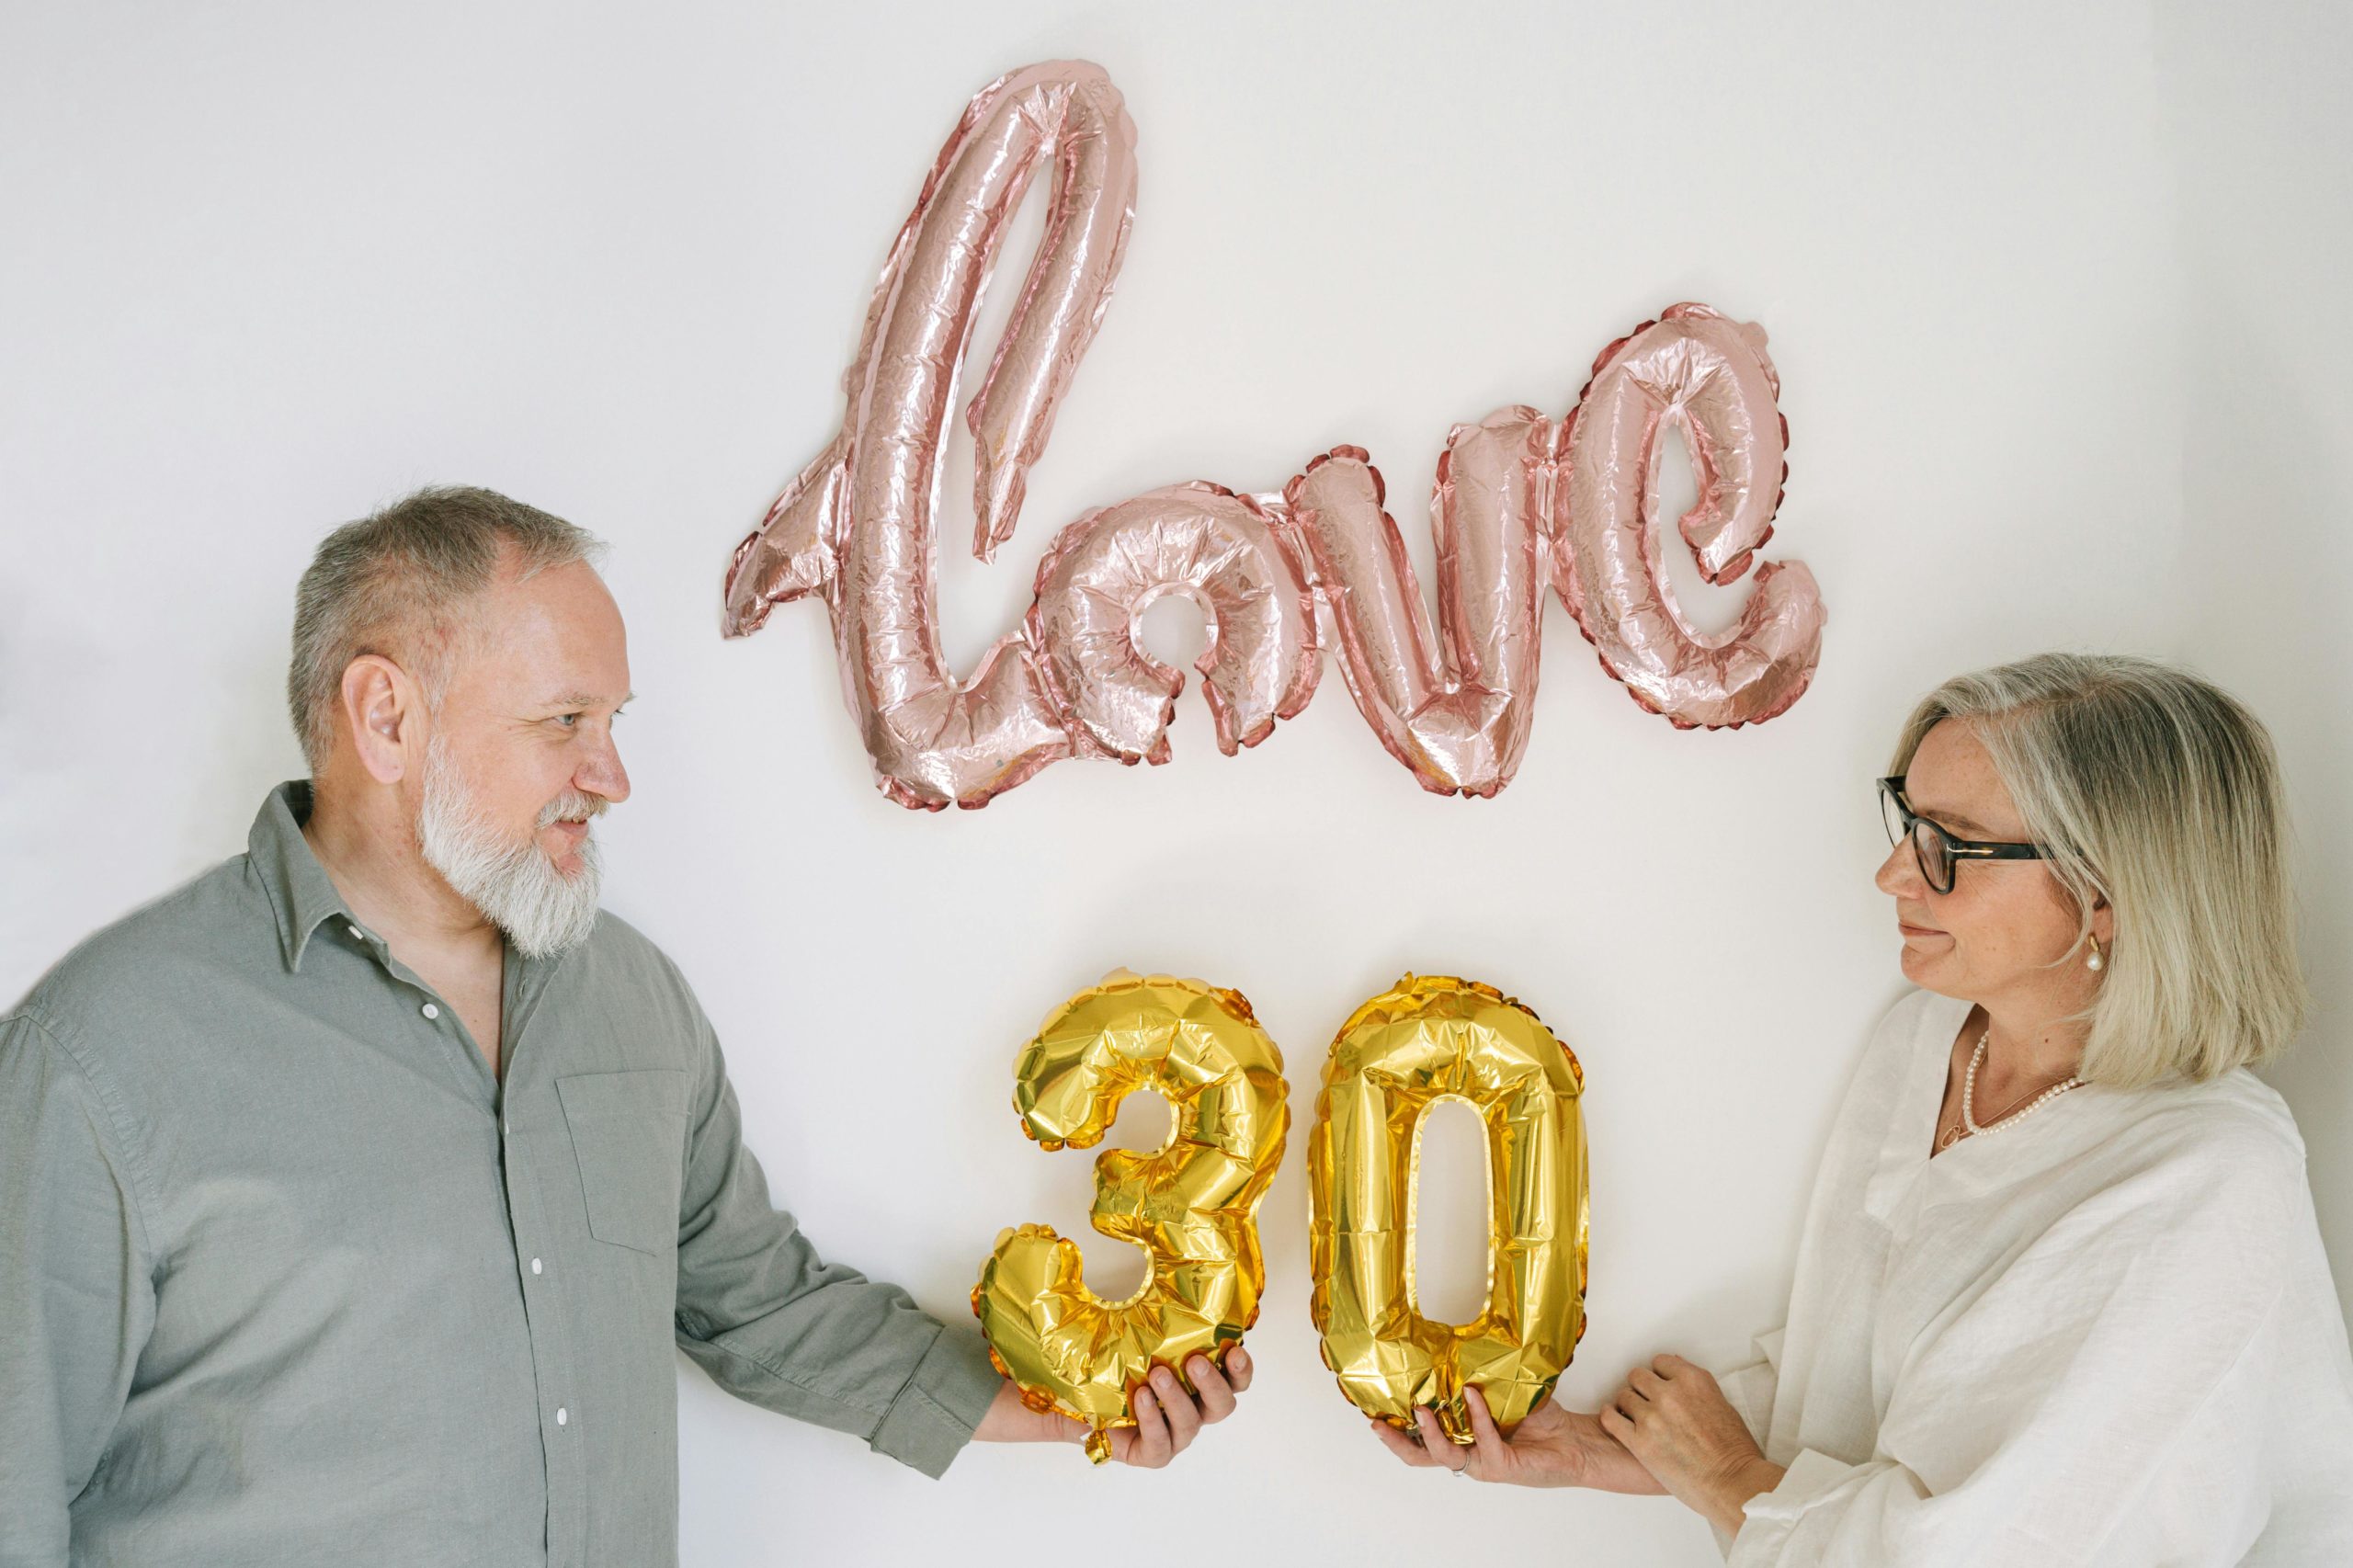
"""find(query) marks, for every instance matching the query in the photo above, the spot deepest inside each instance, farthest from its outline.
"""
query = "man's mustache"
(573, 806)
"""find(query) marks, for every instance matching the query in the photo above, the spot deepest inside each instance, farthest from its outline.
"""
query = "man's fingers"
(1404, 1447)
(1151, 1448)
(1238, 1369)
(1177, 1407)
(1217, 1395)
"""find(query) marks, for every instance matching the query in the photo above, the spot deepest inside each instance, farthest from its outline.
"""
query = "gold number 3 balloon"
(1192, 1204)
(1424, 1040)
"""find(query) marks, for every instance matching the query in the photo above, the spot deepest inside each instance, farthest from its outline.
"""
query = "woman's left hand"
(1673, 1417)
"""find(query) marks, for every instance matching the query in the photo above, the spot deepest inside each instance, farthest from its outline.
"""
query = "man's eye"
(567, 720)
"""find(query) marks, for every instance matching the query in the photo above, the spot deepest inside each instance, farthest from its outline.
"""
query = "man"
(352, 1197)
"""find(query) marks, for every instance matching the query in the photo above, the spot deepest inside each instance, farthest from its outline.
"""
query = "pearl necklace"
(1969, 1126)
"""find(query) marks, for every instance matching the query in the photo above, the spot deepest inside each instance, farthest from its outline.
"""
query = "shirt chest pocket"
(628, 1132)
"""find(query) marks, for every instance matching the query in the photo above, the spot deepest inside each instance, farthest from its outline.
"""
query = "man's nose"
(603, 774)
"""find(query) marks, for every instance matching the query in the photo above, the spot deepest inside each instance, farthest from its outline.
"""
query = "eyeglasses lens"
(1935, 860)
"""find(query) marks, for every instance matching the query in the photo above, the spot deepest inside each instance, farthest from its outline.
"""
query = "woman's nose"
(1899, 874)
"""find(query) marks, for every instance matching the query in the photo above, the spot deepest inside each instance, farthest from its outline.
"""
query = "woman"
(2061, 1296)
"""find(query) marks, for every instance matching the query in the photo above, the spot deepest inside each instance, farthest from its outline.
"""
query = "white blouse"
(2105, 1334)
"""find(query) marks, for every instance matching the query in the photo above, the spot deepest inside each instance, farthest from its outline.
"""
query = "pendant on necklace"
(1950, 1136)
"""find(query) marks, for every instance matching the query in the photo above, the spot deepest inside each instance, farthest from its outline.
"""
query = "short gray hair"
(2154, 789)
(396, 585)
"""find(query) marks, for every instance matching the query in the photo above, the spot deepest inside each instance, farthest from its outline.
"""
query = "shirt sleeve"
(76, 1294)
(2047, 1421)
(773, 1322)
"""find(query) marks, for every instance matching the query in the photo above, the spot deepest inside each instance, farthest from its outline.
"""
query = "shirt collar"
(300, 892)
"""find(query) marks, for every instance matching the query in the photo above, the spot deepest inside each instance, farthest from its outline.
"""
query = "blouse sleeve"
(1750, 1387)
(2028, 1428)
(1750, 1390)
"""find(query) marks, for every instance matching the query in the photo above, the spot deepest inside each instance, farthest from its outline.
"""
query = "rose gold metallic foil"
(1519, 501)
(1695, 370)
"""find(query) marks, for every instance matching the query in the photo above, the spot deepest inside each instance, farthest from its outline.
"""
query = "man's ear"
(385, 712)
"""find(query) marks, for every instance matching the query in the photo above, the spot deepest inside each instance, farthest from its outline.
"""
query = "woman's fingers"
(1404, 1447)
(1216, 1394)
(1618, 1424)
(1435, 1441)
(1644, 1381)
(1488, 1451)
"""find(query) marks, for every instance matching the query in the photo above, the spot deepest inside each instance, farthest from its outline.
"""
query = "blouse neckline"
(1905, 1158)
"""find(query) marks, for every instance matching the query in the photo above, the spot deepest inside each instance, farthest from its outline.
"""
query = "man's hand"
(1673, 1417)
(1552, 1448)
(1168, 1418)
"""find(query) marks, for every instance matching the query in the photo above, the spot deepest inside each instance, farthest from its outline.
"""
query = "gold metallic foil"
(1429, 1039)
(1191, 1204)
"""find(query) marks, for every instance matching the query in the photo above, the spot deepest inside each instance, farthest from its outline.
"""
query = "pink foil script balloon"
(1521, 502)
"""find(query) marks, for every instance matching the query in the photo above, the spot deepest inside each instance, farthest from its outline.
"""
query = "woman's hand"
(1673, 1417)
(1168, 1418)
(1552, 1448)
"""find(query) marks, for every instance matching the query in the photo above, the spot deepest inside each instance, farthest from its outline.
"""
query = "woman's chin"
(1920, 967)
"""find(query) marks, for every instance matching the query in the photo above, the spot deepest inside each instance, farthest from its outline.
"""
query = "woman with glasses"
(2061, 1296)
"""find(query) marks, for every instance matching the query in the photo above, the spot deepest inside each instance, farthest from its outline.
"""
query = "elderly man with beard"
(352, 1196)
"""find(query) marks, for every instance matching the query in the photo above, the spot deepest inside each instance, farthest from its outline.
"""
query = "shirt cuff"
(1769, 1517)
(932, 1415)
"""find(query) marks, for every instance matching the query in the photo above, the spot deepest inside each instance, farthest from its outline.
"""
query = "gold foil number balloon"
(1192, 1204)
(1427, 1040)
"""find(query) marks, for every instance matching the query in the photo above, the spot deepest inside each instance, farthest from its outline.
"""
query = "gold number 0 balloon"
(1192, 1204)
(1427, 1040)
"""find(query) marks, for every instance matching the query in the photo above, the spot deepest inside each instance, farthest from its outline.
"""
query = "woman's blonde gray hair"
(396, 585)
(2155, 791)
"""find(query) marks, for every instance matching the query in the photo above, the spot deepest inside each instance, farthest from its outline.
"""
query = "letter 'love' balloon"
(1520, 501)
(1192, 1204)
(1428, 1040)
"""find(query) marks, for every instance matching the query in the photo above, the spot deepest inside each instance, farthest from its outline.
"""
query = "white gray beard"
(516, 886)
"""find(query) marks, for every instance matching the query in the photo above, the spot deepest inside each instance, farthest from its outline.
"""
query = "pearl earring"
(2094, 963)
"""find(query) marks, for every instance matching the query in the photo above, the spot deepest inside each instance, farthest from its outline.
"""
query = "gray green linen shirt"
(287, 1277)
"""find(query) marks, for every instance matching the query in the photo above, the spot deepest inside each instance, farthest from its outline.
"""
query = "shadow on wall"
(2254, 106)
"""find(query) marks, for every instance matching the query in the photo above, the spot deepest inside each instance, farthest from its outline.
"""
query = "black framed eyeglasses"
(1938, 852)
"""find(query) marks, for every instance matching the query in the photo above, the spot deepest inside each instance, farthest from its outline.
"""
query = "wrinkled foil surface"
(1192, 1204)
(1429, 1039)
(1521, 501)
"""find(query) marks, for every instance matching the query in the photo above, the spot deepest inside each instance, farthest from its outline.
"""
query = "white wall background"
(2048, 290)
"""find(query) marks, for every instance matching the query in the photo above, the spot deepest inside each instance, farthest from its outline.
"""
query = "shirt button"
(358, 934)
(562, 1415)
(535, 1266)
(430, 1011)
